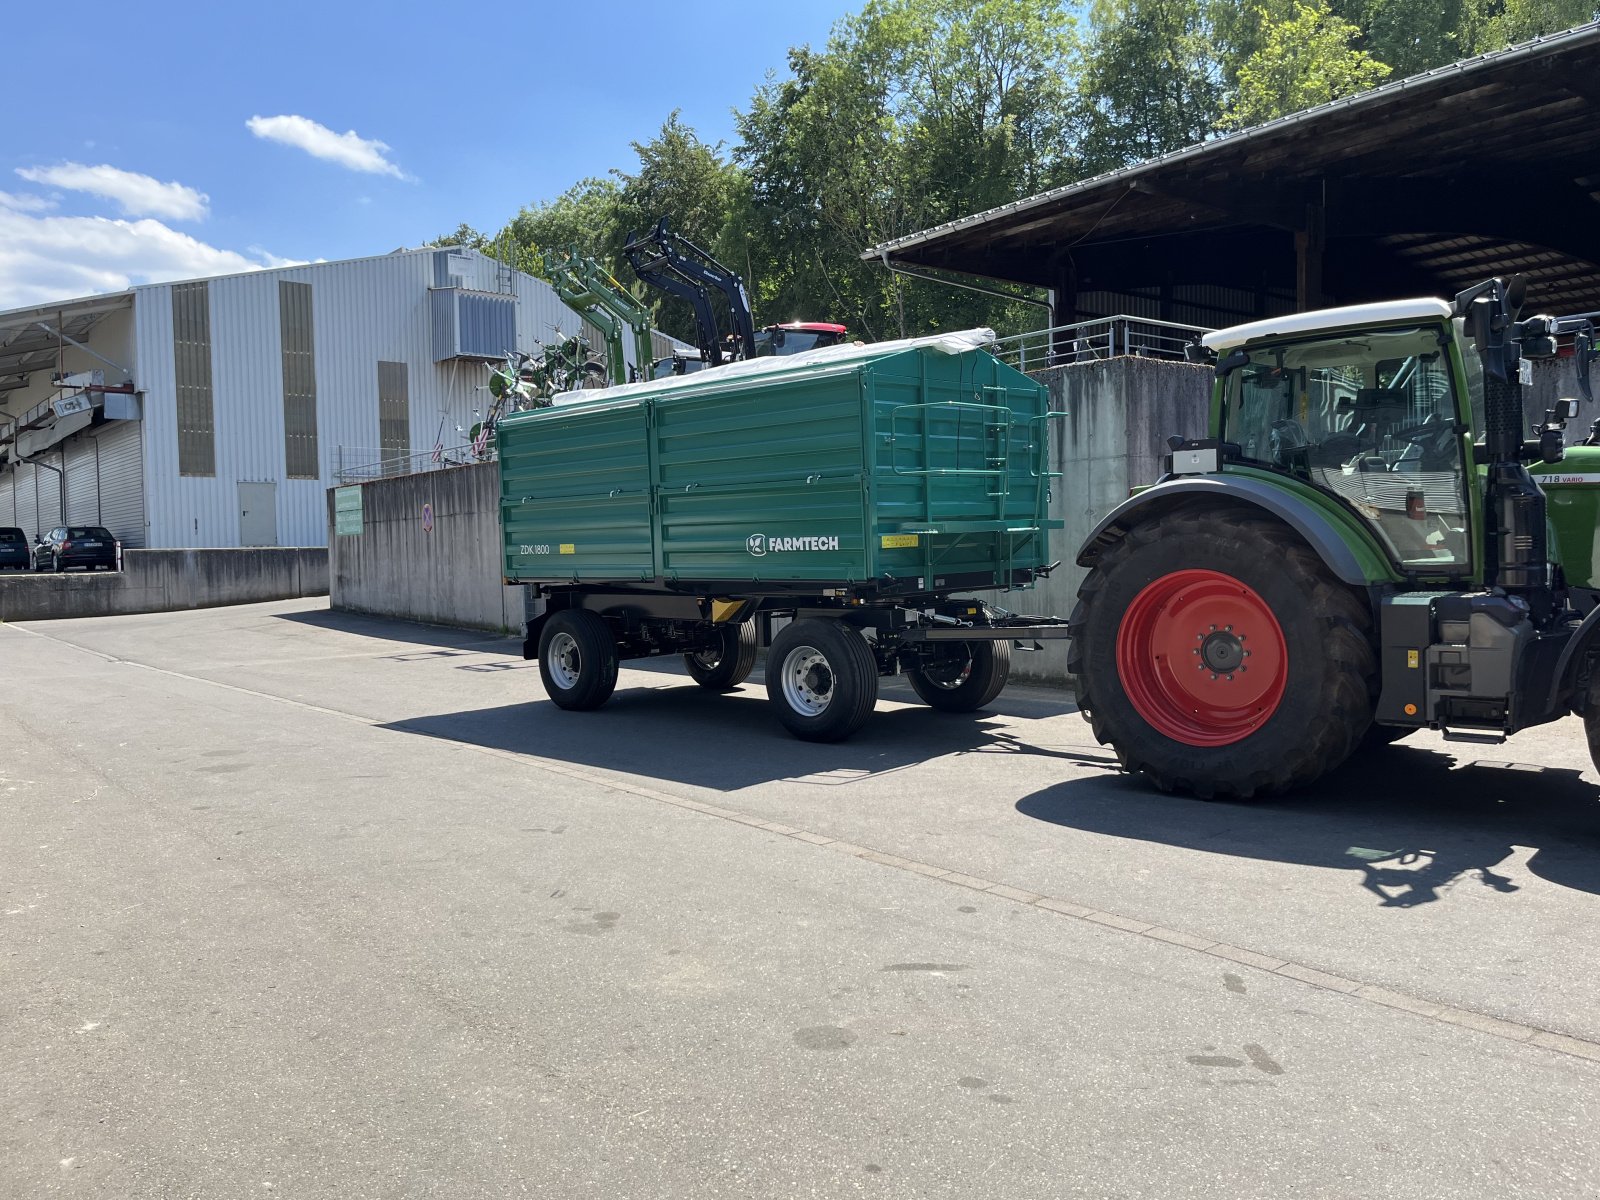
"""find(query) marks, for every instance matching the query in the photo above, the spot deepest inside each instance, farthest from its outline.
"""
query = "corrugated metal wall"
(364, 312)
(120, 460)
(27, 502)
(83, 481)
(8, 499)
(47, 486)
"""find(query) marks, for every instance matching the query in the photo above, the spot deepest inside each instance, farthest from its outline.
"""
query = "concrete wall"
(1120, 413)
(451, 575)
(166, 580)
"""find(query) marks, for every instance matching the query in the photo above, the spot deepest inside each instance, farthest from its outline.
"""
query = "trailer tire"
(725, 668)
(822, 679)
(577, 659)
(959, 687)
(1182, 589)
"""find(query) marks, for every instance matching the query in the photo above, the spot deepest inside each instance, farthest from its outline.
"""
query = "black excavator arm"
(677, 266)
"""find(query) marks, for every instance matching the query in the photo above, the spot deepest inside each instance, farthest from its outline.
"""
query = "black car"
(13, 549)
(66, 546)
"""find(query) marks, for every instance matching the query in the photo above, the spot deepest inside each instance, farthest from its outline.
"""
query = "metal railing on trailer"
(1095, 340)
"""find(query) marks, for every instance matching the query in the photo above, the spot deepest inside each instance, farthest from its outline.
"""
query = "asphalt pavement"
(303, 903)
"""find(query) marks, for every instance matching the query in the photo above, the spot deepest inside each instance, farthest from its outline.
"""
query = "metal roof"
(28, 336)
(1486, 165)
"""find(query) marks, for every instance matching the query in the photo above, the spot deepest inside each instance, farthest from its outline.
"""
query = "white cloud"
(19, 202)
(348, 149)
(138, 195)
(54, 258)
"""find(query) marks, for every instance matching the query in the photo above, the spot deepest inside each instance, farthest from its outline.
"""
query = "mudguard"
(1304, 518)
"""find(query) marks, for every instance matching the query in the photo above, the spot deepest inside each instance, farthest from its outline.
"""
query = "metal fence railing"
(356, 464)
(1088, 341)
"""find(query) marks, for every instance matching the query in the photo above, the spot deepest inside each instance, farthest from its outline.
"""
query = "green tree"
(1152, 79)
(1306, 56)
(583, 216)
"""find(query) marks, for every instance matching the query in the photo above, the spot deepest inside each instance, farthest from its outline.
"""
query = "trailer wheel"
(964, 683)
(1217, 655)
(730, 664)
(577, 659)
(822, 679)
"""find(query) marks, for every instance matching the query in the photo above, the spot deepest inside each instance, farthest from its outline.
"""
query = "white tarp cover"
(960, 342)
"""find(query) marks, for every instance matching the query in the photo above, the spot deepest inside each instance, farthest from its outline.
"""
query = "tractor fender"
(1585, 638)
(1288, 508)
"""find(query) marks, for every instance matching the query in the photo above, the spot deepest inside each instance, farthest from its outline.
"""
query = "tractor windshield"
(1372, 416)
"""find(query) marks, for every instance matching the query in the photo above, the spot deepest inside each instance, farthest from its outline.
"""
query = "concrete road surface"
(302, 904)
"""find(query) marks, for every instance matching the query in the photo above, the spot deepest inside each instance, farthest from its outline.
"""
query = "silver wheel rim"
(563, 661)
(807, 681)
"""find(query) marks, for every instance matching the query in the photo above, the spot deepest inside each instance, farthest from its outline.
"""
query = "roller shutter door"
(122, 481)
(8, 498)
(27, 508)
(83, 482)
(47, 490)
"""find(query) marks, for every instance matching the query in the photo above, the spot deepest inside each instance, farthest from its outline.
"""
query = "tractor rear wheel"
(1591, 719)
(1217, 655)
(728, 665)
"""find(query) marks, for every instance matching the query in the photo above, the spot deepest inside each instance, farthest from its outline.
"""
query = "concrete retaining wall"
(167, 580)
(450, 575)
(1120, 413)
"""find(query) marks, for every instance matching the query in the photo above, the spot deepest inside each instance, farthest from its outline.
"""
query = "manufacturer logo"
(760, 544)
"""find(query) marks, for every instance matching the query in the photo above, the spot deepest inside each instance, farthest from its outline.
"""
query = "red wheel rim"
(1202, 658)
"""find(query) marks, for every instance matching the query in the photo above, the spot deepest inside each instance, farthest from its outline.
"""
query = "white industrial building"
(216, 412)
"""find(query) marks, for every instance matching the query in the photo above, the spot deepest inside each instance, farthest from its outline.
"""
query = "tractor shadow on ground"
(674, 730)
(1410, 820)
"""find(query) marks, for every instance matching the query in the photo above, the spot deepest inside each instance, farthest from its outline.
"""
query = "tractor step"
(1477, 739)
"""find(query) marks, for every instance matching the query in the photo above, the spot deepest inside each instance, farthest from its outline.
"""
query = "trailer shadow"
(732, 741)
(1410, 821)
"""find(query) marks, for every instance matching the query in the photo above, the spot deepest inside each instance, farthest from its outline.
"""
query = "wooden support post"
(1310, 247)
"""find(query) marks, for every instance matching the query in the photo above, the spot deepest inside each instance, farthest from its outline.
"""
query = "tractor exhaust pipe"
(1518, 554)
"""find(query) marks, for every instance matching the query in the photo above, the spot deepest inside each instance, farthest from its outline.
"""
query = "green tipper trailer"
(830, 504)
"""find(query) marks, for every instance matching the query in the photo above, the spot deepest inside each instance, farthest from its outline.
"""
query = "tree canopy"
(915, 112)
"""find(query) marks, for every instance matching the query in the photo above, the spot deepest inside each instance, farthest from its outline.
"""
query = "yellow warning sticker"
(896, 541)
(1411, 659)
(568, 548)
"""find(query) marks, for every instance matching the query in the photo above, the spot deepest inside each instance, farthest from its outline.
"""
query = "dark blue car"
(14, 554)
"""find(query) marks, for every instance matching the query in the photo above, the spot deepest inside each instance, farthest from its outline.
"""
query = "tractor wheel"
(578, 659)
(1218, 656)
(964, 683)
(1591, 719)
(822, 679)
(730, 664)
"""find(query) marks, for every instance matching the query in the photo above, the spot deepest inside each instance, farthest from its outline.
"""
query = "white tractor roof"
(1390, 311)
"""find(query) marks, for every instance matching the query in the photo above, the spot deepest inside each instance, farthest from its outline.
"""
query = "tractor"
(1367, 543)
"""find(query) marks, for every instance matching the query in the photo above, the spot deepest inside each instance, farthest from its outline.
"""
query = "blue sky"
(136, 157)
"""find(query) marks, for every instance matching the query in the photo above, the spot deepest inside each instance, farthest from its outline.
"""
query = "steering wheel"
(1432, 436)
(1285, 439)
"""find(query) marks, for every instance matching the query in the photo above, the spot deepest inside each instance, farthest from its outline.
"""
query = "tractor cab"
(796, 337)
(1369, 406)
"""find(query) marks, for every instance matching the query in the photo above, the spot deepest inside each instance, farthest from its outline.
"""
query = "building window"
(394, 411)
(299, 381)
(191, 360)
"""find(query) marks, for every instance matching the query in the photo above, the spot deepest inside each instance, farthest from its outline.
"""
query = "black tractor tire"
(730, 664)
(1328, 670)
(577, 659)
(822, 679)
(964, 685)
(1591, 717)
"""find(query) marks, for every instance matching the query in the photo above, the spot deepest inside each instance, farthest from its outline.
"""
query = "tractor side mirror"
(1232, 361)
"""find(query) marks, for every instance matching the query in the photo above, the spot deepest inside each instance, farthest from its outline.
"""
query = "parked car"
(66, 546)
(13, 549)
